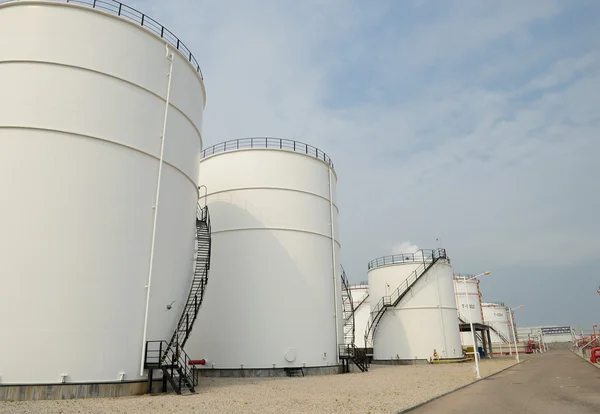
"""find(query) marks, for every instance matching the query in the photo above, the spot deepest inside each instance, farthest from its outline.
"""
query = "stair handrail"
(349, 320)
(426, 262)
(189, 314)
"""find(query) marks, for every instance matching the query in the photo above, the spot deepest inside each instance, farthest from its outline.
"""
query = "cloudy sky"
(472, 125)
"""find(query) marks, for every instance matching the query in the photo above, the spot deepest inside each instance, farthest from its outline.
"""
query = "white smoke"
(405, 247)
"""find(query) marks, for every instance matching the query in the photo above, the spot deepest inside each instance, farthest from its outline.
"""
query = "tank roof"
(129, 13)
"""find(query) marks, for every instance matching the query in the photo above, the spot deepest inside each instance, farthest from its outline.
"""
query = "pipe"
(475, 353)
(439, 306)
(169, 57)
(334, 273)
(595, 353)
(514, 333)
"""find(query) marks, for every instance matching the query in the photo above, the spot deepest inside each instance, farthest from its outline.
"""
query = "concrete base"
(266, 372)
(399, 361)
(70, 391)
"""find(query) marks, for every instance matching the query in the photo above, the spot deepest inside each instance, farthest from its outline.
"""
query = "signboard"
(556, 330)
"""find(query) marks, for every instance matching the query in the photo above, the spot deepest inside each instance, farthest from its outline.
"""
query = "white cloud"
(469, 122)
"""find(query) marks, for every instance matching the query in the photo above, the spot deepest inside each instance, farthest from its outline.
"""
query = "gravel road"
(384, 389)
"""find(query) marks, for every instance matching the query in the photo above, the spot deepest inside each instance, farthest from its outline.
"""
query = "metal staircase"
(477, 334)
(170, 356)
(499, 334)
(348, 310)
(427, 259)
(348, 351)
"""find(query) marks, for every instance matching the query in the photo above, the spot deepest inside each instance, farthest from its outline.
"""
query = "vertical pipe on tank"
(439, 305)
(333, 269)
(169, 57)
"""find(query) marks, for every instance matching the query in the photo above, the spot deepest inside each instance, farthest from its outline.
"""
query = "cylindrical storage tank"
(83, 110)
(362, 311)
(274, 299)
(468, 300)
(495, 314)
(424, 322)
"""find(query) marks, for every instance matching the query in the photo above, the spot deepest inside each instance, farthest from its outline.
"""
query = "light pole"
(514, 331)
(475, 354)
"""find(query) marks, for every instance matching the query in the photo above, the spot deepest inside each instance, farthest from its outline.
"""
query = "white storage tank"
(274, 299)
(424, 322)
(83, 109)
(362, 311)
(468, 296)
(496, 316)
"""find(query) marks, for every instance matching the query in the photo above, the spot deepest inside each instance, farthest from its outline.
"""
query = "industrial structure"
(413, 308)
(496, 315)
(468, 300)
(105, 247)
(362, 311)
(275, 304)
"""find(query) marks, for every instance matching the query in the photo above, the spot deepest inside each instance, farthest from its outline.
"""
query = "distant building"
(553, 336)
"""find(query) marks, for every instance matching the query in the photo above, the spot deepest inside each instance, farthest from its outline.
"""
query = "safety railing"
(269, 143)
(136, 16)
(417, 257)
(494, 304)
(159, 354)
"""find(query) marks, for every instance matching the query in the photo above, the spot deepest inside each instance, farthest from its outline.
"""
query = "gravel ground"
(384, 389)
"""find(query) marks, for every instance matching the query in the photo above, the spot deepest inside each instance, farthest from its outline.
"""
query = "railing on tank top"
(420, 256)
(270, 143)
(136, 16)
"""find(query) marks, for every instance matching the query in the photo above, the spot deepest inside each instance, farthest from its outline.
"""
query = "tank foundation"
(33, 392)
(269, 372)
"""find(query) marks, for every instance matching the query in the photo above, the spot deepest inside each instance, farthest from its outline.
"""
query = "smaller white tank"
(468, 301)
(495, 314)
(362, 310)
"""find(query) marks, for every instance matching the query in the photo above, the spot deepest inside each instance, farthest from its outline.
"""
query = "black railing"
(136, 16)
(265, 142)
(348, 310)
(357, 355)
(416, 257)
(173, 359)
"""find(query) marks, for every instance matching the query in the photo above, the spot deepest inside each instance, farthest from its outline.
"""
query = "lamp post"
(514, 331)
(475, 353)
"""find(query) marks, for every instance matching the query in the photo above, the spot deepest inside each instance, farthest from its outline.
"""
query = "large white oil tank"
(274, 299)
(496, 316)
(468, 300)
(362, 311)
(87, 94)
(424, 322)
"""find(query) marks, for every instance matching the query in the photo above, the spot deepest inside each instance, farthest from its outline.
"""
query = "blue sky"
(472, 122)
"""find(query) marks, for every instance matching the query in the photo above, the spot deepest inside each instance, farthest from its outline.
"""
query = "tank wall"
(468, 297)
(362, 311)
(81, 120)
(497, 317)
(271, 263)
(425, 319)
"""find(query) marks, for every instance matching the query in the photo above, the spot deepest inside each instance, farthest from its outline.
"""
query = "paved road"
(557, 382)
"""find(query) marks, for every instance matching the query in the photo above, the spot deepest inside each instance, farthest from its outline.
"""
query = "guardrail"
(417, 257)
(265, 142)
(136, 16)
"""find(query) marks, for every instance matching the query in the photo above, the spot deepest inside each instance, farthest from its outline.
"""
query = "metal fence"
(273, 143)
